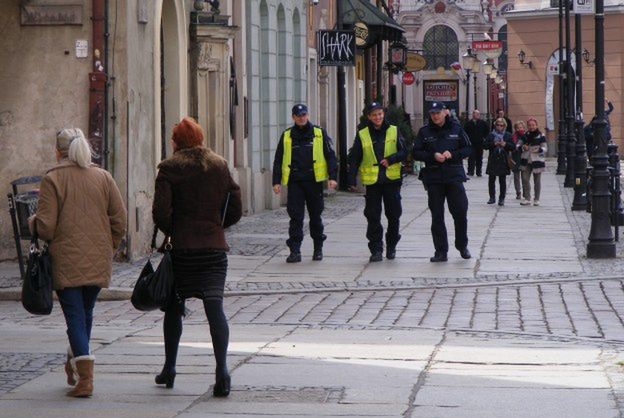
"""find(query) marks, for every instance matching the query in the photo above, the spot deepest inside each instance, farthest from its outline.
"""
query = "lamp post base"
(601, 250)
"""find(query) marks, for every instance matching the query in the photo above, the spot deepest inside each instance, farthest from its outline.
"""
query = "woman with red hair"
(195, 199)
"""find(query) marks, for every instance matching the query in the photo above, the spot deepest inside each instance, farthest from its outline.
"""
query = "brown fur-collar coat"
(191, 191)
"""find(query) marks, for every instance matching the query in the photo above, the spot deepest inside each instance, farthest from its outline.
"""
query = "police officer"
(304, 159)
(442, 144)
(376, 155)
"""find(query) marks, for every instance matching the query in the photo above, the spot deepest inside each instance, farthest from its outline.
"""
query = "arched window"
(440, 47)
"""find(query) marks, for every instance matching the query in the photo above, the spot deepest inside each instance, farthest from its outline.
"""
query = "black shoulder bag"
(154, 289)
(37, 283)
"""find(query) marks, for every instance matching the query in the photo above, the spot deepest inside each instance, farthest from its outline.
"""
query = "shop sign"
(486, 45)
(441, 91)
(361, 33)
(45, 15)
(335, 47)
(584, 7)
(415, 62)
(408, 78)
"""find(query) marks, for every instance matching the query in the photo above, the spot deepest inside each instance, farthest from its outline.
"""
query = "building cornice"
(550, 12)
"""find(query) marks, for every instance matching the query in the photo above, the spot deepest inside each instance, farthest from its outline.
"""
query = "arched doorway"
(171, 72)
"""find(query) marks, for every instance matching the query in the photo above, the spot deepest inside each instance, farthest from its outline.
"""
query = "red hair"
(532, 119)
(187, 134)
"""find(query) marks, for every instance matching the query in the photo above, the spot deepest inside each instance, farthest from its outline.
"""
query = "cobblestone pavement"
(19, 368)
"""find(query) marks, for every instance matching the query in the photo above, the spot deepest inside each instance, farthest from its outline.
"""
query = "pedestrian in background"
(533, 161)
(519, 130)
(195, 199)
(377, 153)
(82, 216)
(442, 144)
(477, 130)
(500, 113)
(500, 144)
(304, 159)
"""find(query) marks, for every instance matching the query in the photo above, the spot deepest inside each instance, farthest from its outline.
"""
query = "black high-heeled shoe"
(166, 378)
(222, 386)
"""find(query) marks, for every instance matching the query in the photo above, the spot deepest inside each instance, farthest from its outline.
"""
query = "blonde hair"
(519, 123)
(72, 144)
(501, 120)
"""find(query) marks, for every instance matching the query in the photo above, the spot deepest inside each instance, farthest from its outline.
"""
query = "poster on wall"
(445, 91)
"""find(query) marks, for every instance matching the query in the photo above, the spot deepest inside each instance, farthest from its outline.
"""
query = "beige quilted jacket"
(82, 216)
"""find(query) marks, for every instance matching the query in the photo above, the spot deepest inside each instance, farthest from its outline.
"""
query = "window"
(440, 47)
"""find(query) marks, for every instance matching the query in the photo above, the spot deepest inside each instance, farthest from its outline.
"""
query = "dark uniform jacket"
(477, 131)
(450, 137)
(301, 165)
(497, 164)
(378, 137)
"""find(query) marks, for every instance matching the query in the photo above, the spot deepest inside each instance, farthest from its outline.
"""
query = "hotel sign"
(50, 15)
(584, 7)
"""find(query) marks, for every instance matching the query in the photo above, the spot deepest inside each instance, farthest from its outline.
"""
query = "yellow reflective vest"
(318, 156)
(369, 167)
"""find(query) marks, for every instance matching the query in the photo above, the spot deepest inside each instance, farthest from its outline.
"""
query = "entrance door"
(445, 91)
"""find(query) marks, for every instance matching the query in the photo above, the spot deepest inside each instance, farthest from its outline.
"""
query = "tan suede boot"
(69, 371)
(83, 366)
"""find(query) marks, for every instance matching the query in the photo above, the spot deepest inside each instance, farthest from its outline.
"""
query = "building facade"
(533, 91)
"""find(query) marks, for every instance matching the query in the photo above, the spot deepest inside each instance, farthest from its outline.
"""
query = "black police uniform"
(386, 190)
(445, 181)
(303, 189)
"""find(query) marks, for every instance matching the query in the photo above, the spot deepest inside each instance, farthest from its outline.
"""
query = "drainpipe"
(97, 84)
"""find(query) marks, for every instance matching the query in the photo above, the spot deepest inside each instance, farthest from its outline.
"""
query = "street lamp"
(522, 57)
(488, 67)
(569, 116)
(600, 243)
(476, 68)
(468, 61)
(561, 137)
(580, 162)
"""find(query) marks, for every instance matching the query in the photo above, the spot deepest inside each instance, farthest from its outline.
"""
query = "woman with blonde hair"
(82, 217)
(195, 199)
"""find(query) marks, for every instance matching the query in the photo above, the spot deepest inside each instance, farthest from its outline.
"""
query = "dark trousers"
(475, 160)
(301, 195)
(77, 304)
(502, 182)
(455, 194)
(390, 194)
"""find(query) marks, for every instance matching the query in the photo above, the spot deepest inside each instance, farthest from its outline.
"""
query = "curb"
(109, 294)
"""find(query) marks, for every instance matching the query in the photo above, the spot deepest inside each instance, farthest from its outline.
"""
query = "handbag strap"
(167, 242)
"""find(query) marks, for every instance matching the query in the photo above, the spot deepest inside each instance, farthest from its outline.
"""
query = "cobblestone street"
(529, 326)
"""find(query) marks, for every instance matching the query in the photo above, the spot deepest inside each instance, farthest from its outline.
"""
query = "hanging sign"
(415, 62)
(408, 78)
(361, 33)
(491, 49)
(584, 7)
(335, 48)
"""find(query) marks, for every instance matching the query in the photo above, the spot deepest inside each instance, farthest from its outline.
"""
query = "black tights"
(219, 331)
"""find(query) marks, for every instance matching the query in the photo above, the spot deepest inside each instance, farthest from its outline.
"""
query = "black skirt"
(199, 273)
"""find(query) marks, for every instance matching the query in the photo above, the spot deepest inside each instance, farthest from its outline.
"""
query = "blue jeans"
(77, 304)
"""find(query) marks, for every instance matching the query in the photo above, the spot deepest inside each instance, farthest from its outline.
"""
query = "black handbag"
(154, 289)
(37, 282)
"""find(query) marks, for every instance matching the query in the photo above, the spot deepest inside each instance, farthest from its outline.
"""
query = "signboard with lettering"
(584, 7)
(440, 91)
(45, 15)
(415, 62)
(335, 48)
(486, 45)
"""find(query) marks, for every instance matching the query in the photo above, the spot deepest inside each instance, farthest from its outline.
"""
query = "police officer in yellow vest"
(376, 155)
(304, 159)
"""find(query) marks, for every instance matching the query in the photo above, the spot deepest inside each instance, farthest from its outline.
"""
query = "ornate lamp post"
(580, 163)
(601, 243)
(468, 61)
(570, 137)
(561, 138)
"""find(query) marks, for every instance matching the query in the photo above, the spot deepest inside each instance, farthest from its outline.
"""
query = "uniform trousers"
(301, 195)
(475, 160)
(455, 194)
(390, 195)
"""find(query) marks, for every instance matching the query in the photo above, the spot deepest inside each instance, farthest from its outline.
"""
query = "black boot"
(391, 253)
(438, 257)
(375, 257)
(317, 255)
(294, 257)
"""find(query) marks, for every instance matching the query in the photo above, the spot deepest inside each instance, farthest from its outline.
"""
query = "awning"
(383, 26)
